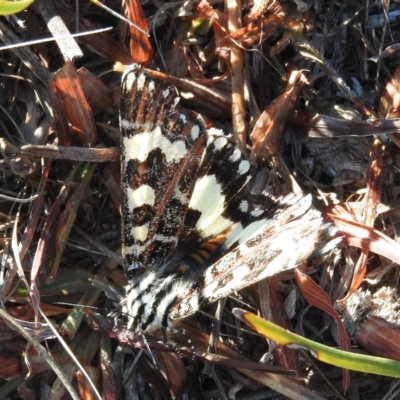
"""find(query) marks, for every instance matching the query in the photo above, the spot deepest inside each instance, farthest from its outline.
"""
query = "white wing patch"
(207, 199)
(140, 145)
(142, 195)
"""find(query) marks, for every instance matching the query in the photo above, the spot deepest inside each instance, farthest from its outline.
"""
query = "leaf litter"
(333, 133)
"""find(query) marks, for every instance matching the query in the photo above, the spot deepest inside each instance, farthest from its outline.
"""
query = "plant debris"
(310, 90)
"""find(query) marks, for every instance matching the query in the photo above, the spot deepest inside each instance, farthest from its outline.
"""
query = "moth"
(191, 234)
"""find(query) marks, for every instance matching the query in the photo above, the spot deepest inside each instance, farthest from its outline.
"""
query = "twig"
(237, 76)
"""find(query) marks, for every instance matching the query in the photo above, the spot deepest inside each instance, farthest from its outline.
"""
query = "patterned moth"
(190, 234)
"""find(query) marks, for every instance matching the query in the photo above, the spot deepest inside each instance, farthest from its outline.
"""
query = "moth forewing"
(161, 149)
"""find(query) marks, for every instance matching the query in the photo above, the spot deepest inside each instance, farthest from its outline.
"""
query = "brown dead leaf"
(68, 216)
(219, 23)
(267, 133)
(60, 117)
(10, 366)
(374, 181)
(76, 107)
(362, 236)
(374, 178)
(25, 312)
(86, 391)
(44, 254)
(141, 50)
(35, 213)
(112, 180)
(261, 8)
(380, 337)
(254, 33)
(96, 92)
(315, 296)
(175, 371)
(389, 106)
(273, 309)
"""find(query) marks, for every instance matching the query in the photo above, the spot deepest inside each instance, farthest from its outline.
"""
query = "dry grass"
(314, 89)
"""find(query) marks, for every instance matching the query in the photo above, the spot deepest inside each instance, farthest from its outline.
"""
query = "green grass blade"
(338, 358)
(9, 7)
